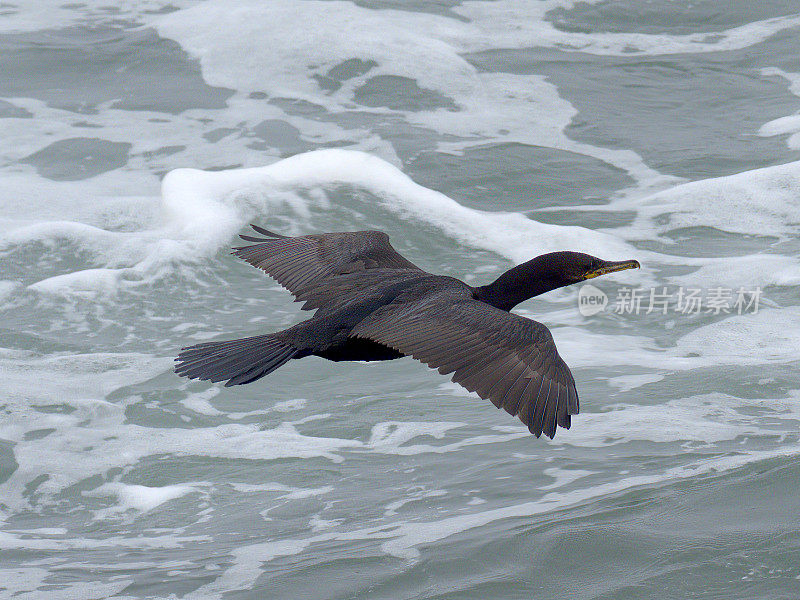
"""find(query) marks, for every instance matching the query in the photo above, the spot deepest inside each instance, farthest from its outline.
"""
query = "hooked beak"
(613, 267)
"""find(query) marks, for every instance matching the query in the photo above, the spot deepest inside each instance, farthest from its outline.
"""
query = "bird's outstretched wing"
(504, 357)
(303, 264)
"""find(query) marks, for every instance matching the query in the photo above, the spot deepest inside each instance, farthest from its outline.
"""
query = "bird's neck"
(518, 284)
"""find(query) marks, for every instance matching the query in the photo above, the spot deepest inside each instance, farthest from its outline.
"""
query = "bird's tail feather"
(238, 361)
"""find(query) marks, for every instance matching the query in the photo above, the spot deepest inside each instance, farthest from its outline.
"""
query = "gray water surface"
(352, 480)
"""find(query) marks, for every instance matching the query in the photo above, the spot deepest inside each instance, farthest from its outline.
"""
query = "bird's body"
(373, 304)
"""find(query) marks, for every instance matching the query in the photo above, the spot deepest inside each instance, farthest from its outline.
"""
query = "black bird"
(373, 304)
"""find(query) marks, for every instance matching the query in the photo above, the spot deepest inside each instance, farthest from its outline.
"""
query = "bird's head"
(544, 273)
(573, 267)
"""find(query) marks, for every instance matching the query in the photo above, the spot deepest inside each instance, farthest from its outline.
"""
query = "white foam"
(7, 288)
(749, 339)
(626, 383)
(87, 237)
(762, 201)
(109, 220)
(525, 109)
(415, 496)
(290, 405)
(35, 15)
(521, 24)
(287, 492)
(140, 498)
(82, 381)
(426, 48)
(246, 567)
(202, 211)
(217, 31)
(115, 443)
(79, 383)
(705, 420)
(199, 402)
(407, 537)
(769, 335)
(317, 523)
(392, 434)
(390, 437)
(38, 15)
(11, 541)
(781, 126)
(210, 32)
(75, 376)
(87, 282)
(564, 477)
(792, 78)
(123, 241)
(18, 581)
(209, 207)
(784, 125)
(423, 47)
(402, 540)
(33, 583)
(505, 23)
(747, 272)
(757, 202)
(101, 424)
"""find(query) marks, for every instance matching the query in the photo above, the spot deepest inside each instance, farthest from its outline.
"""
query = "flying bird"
(373, 304)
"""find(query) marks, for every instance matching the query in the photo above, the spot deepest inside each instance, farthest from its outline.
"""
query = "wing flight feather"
(504, 357)
(309, 265)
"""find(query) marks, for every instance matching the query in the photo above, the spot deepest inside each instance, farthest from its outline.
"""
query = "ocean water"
(140, 137)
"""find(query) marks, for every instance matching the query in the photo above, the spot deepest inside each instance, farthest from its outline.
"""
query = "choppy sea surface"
(140, 137)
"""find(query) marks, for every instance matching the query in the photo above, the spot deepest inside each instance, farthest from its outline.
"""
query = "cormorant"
(373, 304)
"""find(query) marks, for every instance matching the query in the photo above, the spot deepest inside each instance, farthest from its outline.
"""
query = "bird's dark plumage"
(373, 304)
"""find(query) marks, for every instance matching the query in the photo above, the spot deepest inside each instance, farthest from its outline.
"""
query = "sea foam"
(202, 211)
(784, 125)
(424, 48)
